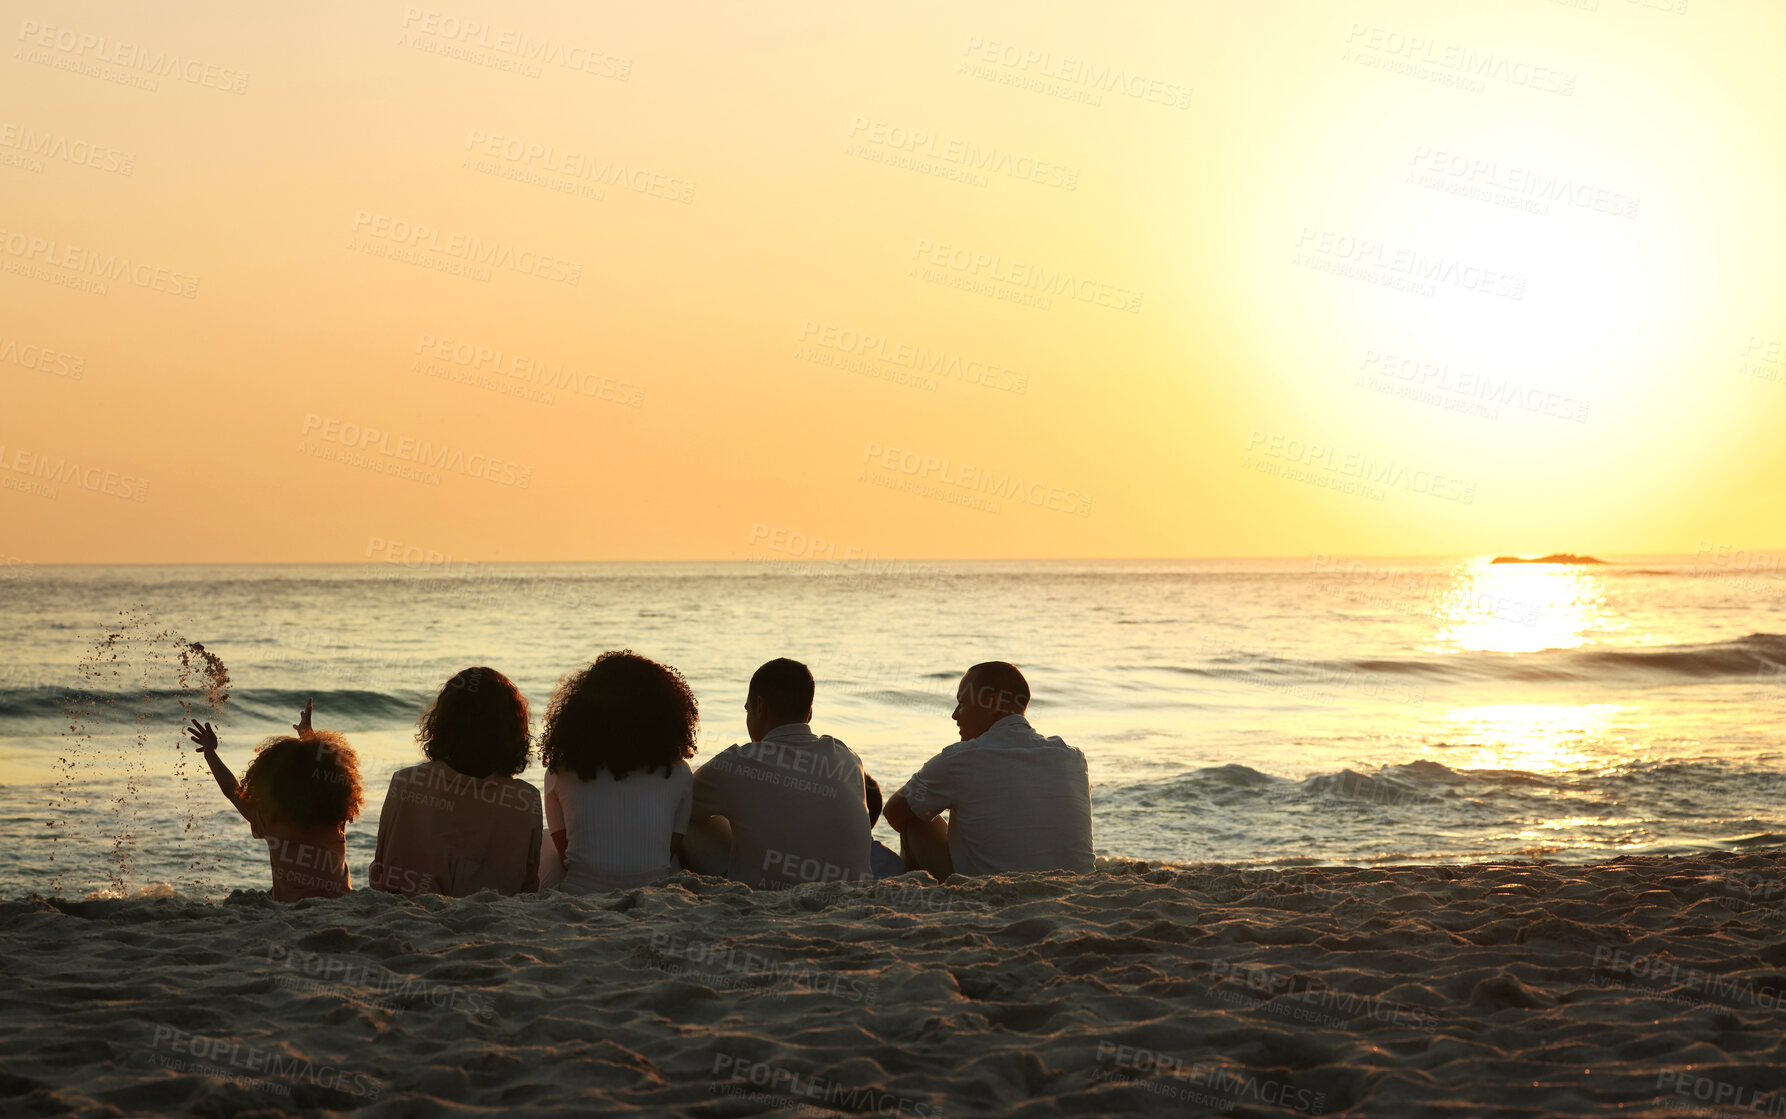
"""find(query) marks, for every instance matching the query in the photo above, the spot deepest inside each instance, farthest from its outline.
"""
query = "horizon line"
(446, 562)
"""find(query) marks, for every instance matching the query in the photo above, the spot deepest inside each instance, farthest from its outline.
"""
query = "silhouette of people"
(789, 806)
(616, 746)
(1016, 801)
(299, 795)
(463, 821)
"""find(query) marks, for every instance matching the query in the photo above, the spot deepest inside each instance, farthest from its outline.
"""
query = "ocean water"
(1260, 712)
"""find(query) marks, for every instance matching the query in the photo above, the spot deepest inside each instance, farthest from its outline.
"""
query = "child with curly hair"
(299, 795)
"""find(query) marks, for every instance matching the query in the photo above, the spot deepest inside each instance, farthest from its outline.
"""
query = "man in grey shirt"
(786, 807)
(1016, 800)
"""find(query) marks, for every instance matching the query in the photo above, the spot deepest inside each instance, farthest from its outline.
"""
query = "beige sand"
(1643, 987)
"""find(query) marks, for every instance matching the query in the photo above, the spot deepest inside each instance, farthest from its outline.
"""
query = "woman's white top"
(617, 833)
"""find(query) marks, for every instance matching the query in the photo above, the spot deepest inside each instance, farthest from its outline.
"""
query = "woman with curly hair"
(618, 736)
(462, 821)
(299, 794)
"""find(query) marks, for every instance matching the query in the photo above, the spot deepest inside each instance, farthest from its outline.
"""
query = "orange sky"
(324, 281)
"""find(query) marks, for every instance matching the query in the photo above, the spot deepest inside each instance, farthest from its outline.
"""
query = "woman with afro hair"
(618, 736)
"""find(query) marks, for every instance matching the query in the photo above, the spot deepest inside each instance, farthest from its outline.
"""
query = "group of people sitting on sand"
(621, 807)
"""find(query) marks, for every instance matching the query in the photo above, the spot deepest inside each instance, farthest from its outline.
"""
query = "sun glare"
(1522, 608)
(1533, 737)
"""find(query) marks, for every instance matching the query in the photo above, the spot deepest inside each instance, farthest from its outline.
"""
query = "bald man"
(1016, 801)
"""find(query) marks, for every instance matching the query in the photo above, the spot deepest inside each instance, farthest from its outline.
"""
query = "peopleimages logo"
(830, 1094)
(115, 52)
(32, 465)
(90, 262)
(1460, 59)
(370, 441)
(1369, 259)
(538, 156)
(518, 46)
(1077, 71)
(42, 358)
(477, 358)
(1521, 182)
(1361, 467)
(976, 479)
(925, 144)
(232, 1057)
(462, 246)
(1025, 275)
(905, 355)
(1715, 1093)
(82, 153)
(1388, 363)
(1208, 1085)
(1666, 973)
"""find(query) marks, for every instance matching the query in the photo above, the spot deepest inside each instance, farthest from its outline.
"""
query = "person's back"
(1017, 801)
(792, 801)
(462, 821)
(616, 745)
(795, 803)
(307, 862)
(614, 829)
(442, 832)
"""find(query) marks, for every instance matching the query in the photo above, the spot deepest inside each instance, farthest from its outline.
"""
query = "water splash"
(119, 680)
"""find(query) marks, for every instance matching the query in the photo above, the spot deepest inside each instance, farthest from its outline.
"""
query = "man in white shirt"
(1017, 801)
(786, 807)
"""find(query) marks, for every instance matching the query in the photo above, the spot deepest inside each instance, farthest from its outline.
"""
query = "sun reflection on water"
(1534, 737)
(1521, 608)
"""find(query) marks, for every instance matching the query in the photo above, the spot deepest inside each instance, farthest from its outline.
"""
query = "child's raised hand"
(203, 735)
(302, 726)
(207, 745)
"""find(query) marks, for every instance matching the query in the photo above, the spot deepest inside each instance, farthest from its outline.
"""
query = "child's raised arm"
(207, 745)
